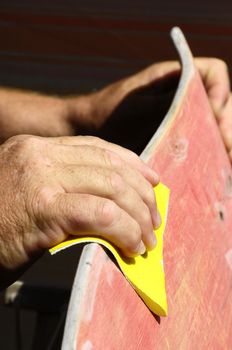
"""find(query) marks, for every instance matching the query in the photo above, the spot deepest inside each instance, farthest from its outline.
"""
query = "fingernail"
(158, 220)
(141, 249)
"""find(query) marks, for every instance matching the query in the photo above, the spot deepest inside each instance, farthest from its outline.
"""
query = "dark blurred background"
(70, 46)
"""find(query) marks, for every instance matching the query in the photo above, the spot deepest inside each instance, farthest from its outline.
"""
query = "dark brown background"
(67, 46)
(70, 45)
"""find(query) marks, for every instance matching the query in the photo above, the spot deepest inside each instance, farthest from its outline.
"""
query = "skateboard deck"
(188, 153)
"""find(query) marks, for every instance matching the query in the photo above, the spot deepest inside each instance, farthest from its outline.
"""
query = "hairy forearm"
(24, 112)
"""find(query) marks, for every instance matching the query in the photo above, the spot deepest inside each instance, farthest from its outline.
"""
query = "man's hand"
(54, 187)
(214, 73)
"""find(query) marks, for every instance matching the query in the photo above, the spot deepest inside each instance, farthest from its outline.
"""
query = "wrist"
(79, 113)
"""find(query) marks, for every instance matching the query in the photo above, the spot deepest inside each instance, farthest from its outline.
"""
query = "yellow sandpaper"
(146, 272)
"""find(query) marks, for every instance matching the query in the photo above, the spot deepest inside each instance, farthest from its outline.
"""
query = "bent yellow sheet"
(145, 273)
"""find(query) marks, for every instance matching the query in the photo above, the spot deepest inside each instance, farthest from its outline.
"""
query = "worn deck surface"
(190, 157)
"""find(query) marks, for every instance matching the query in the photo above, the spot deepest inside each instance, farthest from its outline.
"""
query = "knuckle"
(106, 213)
(22, 156)
(15, 139)
(116, 184)
(15, 142)
(114, 159)
(134, 239)
(22, 143)
(31, 142)
(92, 140)
(150, 195)
(45, 195)
(220, 63)
(134, 156)
(41, 200)
(145, 216)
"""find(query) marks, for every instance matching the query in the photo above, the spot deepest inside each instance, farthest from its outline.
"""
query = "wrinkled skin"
(52, 187)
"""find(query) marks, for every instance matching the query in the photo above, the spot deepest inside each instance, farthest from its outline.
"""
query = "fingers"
(95, 157)
(99, 174)
(157, 71)
(225, 124)
(116, 152)
(88, 214)
(129, 190)
(99, 157)
(214, 73)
